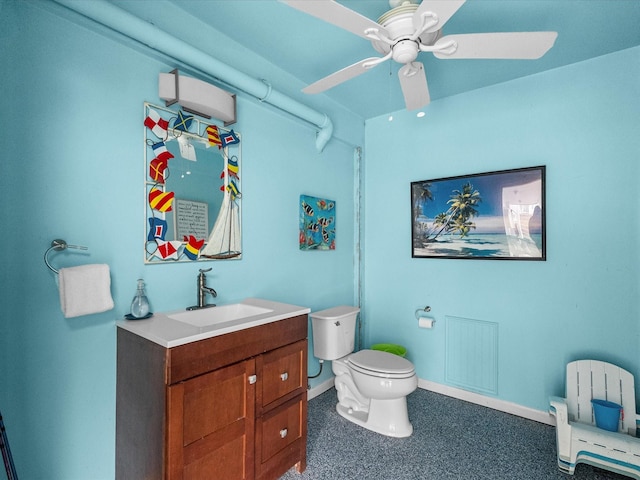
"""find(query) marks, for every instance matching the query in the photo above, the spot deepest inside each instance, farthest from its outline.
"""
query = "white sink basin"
(215, 315)
(172, 329)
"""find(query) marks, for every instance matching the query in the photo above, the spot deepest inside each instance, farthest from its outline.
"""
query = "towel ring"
(59, 245)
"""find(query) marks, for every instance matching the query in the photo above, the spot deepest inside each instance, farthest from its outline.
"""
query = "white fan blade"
(444, 9)
(343, 75)
(413, 82)
(508, 45)
(337, 14)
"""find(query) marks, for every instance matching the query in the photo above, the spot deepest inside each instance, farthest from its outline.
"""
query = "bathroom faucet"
(202, 291)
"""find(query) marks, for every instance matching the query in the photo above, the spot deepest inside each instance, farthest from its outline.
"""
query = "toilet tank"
(334, 332)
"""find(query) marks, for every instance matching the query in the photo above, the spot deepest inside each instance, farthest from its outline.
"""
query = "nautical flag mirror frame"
(206, 160)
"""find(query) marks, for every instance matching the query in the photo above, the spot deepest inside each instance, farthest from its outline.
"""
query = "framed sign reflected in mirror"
(192, 188)
(495, 215)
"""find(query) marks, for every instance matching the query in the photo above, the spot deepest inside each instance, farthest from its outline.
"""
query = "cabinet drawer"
(281, 439)
(282, 373)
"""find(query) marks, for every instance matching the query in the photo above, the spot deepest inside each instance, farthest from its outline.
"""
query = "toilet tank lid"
(335, 313)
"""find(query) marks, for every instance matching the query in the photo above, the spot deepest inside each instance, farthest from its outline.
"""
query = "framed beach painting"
(495, 215)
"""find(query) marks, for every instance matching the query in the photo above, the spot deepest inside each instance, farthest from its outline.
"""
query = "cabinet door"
(210, 427)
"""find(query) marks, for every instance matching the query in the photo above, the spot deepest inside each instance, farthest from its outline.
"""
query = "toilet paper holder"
(423, 317)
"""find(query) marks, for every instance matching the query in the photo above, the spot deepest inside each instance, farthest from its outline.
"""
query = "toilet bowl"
(372, 391)
(372, 385)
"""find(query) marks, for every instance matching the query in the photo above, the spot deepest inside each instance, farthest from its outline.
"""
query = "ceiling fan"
(410, 28)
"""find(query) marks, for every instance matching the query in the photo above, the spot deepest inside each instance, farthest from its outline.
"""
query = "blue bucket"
(607, 414)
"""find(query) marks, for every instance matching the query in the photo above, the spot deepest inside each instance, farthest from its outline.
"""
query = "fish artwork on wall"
(317, 223)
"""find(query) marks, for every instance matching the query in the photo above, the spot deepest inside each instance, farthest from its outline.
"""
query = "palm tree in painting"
(461, 225)
(441, 219)
(421, 194)
(461, 209)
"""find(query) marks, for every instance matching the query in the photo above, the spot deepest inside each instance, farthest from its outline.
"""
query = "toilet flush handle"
(337, 323)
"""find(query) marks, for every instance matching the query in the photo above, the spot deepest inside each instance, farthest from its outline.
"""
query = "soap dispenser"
(140, 303)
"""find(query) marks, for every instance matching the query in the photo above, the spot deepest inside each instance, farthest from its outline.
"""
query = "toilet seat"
(381, 364)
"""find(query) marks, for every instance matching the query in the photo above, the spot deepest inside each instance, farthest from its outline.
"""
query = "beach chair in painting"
(578, 439)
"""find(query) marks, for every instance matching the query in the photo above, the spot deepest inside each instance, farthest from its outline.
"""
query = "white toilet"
(372, 385)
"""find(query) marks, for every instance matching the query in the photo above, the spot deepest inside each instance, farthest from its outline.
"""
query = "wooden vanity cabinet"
(228, 407)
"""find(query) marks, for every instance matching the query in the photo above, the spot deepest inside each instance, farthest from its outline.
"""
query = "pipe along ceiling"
(125, 23)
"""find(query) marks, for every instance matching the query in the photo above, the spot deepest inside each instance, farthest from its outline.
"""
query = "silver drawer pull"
(284, 376)
(253, 379)
(283, 433)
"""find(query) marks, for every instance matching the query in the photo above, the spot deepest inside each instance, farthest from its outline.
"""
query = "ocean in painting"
(482, 245)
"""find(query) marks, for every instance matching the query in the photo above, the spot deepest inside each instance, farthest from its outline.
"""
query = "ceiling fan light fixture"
(405, 51)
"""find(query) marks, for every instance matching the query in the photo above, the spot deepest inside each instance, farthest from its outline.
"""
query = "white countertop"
(168, 332)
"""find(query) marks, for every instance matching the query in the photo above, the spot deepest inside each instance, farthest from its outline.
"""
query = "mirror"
(192, 188)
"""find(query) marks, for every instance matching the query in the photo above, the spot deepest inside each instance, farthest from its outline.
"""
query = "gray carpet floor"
(452, 439)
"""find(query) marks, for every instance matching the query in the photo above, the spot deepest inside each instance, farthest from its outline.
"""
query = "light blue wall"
(72, 168)
(582, 122)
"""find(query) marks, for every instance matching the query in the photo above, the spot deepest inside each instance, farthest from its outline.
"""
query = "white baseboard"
(472, 397)
(494, 403)
(319, 389)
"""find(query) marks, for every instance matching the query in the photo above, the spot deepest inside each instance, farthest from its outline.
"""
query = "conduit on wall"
(357, 259)
(121, 21)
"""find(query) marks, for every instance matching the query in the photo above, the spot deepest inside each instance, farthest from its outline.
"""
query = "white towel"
(85, 290)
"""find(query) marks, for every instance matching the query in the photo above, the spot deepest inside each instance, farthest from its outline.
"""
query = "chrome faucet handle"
(203, 290)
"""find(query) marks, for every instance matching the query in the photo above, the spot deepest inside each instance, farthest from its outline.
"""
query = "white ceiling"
(310, 49)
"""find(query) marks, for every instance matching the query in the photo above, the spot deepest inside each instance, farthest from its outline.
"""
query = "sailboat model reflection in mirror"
(224, 241)
(181, 197)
